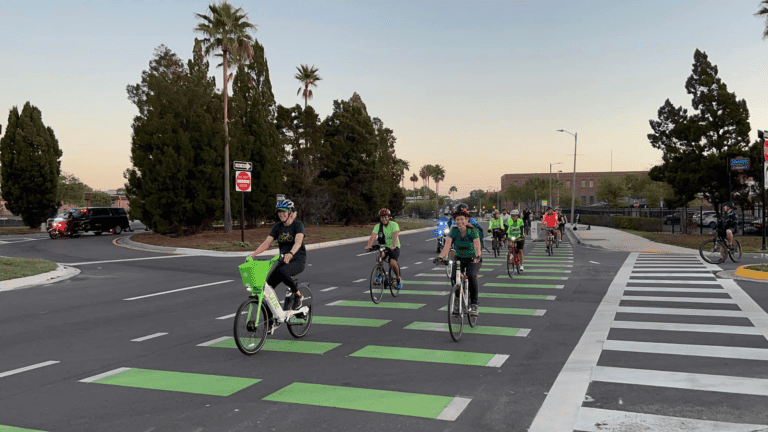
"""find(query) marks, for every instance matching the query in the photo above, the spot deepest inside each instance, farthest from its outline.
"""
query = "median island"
(13, 268)
(218, 240)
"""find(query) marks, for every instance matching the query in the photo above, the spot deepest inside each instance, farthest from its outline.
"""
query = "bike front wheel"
(472, 320)
(377, 284)
(455, 320)
(712, 251)
(495, 247)
(251, 326)
(393, 283)
(510, 263)
(298, 324)
(735, 254)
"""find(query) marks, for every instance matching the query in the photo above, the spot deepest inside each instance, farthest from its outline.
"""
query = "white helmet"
(516, 212)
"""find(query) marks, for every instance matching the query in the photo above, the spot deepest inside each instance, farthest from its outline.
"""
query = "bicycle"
(456, 319)
(496, 243)
(716, 250)
(256, 318)
(513, 258)
(381, 277)
(550, 240)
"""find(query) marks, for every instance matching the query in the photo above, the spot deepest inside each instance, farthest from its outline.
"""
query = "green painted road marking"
(481, 330)
(491, 263)
(356, 322)
(354, 303)
(548, 265)
(506, 311)
(293, 346)
(4, 428)
(487, 269)
(516, 285)
(517, 296)
(213, 385)
(431, 356)
(532, 277)
(371, 400)
(547, 260)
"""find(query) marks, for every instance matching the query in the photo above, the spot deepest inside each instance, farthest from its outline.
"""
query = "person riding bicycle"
(289, 234)
(561, 221)
(527, 219)
(549, 221)
(497, 226)
(505, 216)
(515, 228)
(475, 224)
(729, 224)
(388, 233)
(466, 240)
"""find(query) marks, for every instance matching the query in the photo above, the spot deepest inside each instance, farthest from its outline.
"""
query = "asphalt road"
(77, 356)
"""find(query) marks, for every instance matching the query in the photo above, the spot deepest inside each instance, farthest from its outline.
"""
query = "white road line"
(751, 309)
(432, 239)
(226, 316)
(178, 290)
(702, 328)
(359, 280)
(27, 368)
(597, 419)
(367, 253)
(680, 299)
(326, 289)
(403, 268)
(701, 275)
(539, 312)
(663, 268)
(334, 303)
(683, 312)
(688, 350)
(417, 263)
(594, 262)
(670, 266)
(497, 360)
(681, 289)
(105, 374)
(664, 281)
(454, 409)
(152, 336)
(126, 260)
(215, 341)
(681, 380)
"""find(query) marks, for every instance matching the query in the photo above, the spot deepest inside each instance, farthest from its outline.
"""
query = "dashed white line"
(454, 409)
(594, 262)
(217, 340)
(226, 316)
(178, 290)
(359, 280)
(328, 289)
(126, 260)
(152, 336)
(417, 263)
(27, 368)
(105, 374)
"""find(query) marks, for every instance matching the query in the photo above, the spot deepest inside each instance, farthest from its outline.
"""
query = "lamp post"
(550, 181)
(573, 191)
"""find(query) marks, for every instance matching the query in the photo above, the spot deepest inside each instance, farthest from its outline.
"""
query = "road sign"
(242, 166)
(243, 181)
(739, 164)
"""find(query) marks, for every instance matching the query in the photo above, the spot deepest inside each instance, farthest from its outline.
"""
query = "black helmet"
(729, 204)
(461, 212)
(385, 212)
(462, 206)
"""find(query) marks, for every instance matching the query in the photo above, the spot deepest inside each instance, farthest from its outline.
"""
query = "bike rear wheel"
(455, 321)
(298, 325)
(495, 247)
(549, 247)
(250, 335)
(472, 320)
(377, 284)
(713, 252)
(449, 267)
(393, 283)
(735, 254)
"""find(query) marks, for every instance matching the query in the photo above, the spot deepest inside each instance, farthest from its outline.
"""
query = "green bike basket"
(254, 274)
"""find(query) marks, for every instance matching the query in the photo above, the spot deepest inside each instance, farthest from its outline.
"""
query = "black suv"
(101, 219)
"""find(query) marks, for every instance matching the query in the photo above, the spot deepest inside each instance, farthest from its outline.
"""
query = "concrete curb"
(744, 273)
(578, 237)
(61, 273)
(130, 244)
(731, 274)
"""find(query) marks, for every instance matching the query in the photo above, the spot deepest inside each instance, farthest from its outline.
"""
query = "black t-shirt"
(286, 237)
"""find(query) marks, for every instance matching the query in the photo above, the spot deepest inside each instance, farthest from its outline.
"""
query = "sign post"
(762, 136)
(243, 185)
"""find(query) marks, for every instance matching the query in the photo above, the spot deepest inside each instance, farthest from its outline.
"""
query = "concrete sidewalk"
(617, 240)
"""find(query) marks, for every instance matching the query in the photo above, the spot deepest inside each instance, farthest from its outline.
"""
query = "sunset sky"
(478, 87)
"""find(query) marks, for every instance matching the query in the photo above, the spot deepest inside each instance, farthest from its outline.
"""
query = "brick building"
(586, 184)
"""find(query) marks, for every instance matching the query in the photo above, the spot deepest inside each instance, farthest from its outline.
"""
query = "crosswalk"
(671, 348)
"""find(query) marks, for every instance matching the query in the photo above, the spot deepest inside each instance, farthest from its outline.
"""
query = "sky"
(480, 87)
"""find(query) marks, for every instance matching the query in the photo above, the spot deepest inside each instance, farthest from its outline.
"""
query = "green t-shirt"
(515, 229)
(389, 231)
(465, 245)
(496, 223)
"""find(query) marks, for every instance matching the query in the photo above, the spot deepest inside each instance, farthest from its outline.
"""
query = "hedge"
(624, 222)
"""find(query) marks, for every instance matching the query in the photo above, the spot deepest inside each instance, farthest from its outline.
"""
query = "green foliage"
(613, 190)
(177, 144)
(71, 190)
(308, 77)
(655, 192)
(697, 146)
(29, 166)
(101, 199)
(637, 223)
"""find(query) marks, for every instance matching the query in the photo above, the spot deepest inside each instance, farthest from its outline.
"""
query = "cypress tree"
(30, 159)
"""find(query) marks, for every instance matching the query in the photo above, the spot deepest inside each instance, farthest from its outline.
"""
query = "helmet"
(729, 204)
(461, 212)
(495, 212)
(503, 209)
(515, 212)
(385, 212)
(462, 206)
(285, 205)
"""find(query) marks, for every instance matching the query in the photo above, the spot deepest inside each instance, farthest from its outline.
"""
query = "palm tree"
(226, 29)
(764, 12)
(414, 178)
(308, 77)
(452, 190)
(424, 174)
(438, 174)
(400, 167)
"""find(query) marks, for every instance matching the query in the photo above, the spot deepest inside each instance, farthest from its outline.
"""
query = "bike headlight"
(446, 230)
(513, 238)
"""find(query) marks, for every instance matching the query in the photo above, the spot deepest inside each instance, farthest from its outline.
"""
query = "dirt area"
(221, 241)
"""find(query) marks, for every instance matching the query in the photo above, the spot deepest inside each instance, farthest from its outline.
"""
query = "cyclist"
(561, 221)
(505, 216)
(388, 233)
(549, 221)
(479, 228)
(730, 224)
(515, 229)
(466, 240)
(497, 227)
(527, 220)
(289, 234)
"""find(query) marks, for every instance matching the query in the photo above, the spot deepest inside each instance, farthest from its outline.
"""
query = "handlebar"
(377, 247)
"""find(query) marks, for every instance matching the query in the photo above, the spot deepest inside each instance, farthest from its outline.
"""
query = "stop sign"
(243, 181)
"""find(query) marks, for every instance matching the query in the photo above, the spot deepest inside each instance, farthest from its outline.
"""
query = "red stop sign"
(243, 181)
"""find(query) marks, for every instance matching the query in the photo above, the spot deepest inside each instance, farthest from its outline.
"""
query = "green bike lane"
(386, 364)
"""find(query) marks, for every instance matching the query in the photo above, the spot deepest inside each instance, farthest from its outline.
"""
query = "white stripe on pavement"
(665, 281)
(702, 328)
(680, 289)
(326, 289)
(680, 299)
(687, 350)
(359, 280)
(454, 409)
(701, 275)
(227, 316)
(105, 374)
(126, 260)
(152, 336)
(686, 312)
(497, 360)
(608, 420)
(593, 262)
(178, 290)
(27, 368)
(217, 340)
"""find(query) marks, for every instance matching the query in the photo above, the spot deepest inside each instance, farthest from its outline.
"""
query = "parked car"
(696, 217)
(672, 219)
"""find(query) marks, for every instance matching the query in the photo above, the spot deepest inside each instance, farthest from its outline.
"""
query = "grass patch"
(10, 230)
(749, 244)
(12, 268)
(758, 267)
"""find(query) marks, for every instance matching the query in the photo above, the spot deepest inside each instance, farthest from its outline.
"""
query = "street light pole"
(550, 182)
(573, 191)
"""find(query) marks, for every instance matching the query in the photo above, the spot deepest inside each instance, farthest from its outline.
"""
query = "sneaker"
(473, 310)
(399, 285)
(297, 302)
(522, 268)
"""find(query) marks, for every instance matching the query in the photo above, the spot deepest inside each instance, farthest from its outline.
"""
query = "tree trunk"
(227, 211)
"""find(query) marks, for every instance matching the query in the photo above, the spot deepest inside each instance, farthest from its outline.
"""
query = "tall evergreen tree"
(177, 145)
(30, 166)
(697, 146)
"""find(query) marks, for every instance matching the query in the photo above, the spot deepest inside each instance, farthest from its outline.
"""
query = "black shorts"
(560, 226)
(520, 242)
(394, 254)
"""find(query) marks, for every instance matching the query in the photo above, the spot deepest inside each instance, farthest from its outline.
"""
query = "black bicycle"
(498, 236)
(716, 250)
(381, 276)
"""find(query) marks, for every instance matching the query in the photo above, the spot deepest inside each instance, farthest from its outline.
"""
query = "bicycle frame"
(279, 314)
